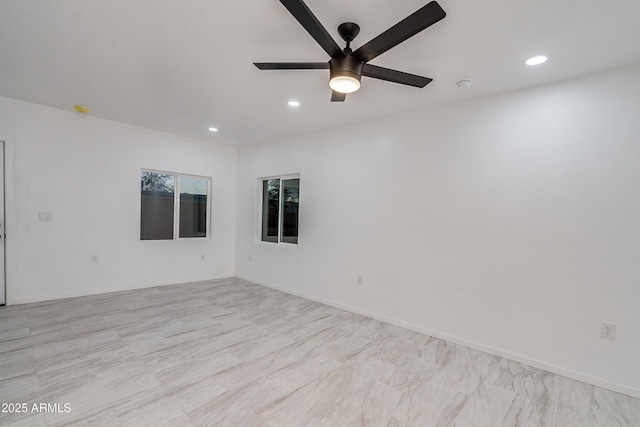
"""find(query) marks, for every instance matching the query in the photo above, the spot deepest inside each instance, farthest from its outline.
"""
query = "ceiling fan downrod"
(348, 31)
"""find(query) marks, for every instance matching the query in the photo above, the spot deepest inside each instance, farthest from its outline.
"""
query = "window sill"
(184, 239)
(290, 246)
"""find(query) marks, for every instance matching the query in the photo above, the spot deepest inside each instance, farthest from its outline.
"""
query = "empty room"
(320, 213)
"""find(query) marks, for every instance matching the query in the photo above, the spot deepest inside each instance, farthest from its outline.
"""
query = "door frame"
(9, 216)
(3, 238)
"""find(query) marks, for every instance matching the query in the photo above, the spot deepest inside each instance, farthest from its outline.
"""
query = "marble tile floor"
(232, 353)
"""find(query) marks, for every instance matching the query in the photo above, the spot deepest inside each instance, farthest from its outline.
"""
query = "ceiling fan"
(346, 66)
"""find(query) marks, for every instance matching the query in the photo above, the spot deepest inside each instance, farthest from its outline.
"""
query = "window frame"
(176, 205)
(259, 211)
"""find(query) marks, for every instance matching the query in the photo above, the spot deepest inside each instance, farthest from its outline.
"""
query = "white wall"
(86, 171)
(509, 223)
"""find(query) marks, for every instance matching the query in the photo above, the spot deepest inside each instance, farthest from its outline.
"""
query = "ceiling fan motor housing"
(346, 66)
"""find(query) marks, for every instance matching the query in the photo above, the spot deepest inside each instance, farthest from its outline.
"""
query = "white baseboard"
(99, 291)
(599, 382)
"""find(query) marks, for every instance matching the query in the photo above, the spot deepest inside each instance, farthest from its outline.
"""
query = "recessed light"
(536, 60)
(294, 103)
(213, 129)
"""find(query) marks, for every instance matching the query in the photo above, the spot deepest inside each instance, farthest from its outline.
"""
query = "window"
(280, 202)
(163, 216)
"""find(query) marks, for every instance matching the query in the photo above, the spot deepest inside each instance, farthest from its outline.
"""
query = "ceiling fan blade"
(292, 65)
(308, 20)
(394, 76)
(338, 96)
(408, 27)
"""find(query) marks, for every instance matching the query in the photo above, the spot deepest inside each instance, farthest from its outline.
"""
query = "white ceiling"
(183, 66)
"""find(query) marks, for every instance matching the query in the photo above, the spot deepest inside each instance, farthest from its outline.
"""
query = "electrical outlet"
(608, 330)
(94, 259)
(250, 258)
(360, 281)
(202, 257)
(45, 216)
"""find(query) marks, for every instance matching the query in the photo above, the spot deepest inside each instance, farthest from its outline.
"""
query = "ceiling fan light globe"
(344, 84)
